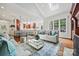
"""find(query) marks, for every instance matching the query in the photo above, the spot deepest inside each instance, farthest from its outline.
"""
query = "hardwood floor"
(64, 43)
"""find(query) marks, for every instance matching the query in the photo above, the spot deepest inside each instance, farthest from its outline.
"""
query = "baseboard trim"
(65, 38)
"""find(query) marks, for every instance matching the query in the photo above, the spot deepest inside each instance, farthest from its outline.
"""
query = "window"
(56, 24)
(51, 25)
(63, 25)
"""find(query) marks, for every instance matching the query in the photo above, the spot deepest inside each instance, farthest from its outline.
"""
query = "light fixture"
(2, 7)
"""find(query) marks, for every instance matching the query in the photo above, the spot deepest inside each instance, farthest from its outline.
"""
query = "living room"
(36, 29)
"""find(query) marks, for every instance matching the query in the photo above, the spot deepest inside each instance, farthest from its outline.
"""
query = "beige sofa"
(50, 38)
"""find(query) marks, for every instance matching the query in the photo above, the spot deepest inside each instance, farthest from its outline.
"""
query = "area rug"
(49, 49)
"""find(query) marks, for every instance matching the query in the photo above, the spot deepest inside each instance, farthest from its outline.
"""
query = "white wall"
(66, 34)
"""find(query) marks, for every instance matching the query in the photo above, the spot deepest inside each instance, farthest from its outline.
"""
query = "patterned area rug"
(49, 49)
(24, 49)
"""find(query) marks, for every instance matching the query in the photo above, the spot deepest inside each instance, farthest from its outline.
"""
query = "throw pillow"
(53, 33)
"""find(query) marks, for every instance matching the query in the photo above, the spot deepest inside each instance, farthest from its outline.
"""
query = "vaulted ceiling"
(32, 11)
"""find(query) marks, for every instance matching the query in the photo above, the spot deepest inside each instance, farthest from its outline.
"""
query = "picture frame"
(3, 27)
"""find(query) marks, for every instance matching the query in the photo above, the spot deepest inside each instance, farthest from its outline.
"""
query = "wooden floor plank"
(64, 43)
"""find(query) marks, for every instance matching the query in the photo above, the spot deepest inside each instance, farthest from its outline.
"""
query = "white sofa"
(51, 38)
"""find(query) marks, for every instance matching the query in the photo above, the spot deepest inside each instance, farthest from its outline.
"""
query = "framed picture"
(3, 27)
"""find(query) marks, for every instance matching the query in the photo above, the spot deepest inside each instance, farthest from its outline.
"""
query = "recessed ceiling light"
(2, 7)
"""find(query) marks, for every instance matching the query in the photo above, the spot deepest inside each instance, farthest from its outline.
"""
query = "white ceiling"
(31, 10)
